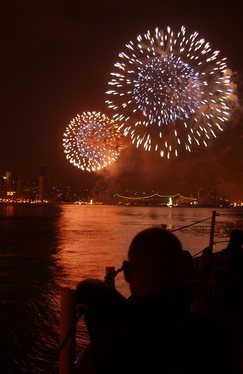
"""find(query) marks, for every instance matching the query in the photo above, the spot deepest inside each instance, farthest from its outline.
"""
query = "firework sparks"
(170, 91)
(92, 141)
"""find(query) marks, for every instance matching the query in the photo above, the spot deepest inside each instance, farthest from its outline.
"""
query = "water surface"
(43, 248)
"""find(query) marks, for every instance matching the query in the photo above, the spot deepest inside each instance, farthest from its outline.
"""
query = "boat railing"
(70, 315)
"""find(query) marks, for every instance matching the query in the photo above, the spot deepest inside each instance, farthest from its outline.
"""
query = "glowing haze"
(170, 91)
(92, 141)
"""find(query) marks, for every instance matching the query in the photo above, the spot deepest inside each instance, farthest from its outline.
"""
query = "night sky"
(56, 59)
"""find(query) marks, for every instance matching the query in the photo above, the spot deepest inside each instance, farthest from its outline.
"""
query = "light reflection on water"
(45, 247)
(93, 237)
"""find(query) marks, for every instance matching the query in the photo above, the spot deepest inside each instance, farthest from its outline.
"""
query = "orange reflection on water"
(8, 210)
(90, 241)
(93, 237)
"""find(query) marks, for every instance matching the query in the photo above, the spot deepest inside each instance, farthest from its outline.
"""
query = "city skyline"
(24, 189)
(56, 62)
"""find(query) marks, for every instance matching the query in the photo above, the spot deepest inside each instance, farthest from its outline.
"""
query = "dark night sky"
(56, 58)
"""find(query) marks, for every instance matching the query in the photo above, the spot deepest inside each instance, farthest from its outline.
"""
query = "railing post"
(211, 239)
(67, 331)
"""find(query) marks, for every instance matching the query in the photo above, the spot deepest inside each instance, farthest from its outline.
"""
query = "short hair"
(236, 236)
(155, 238)
(155, 255)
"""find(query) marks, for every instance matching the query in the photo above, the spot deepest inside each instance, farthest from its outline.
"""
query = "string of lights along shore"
(170, 92)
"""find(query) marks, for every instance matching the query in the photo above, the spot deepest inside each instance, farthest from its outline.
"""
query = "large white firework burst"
(169, 91)
(92, 141)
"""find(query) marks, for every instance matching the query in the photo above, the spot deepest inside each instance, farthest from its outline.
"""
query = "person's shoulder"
(220, 253)
(220, 256)
(96, 291)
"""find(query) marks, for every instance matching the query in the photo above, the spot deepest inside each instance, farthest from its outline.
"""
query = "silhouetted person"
(153, 330)
(154, 263)
(236, 238)
(192, 285)
(231, 256)
(223, 294)
(103, 308)
(205, 264)
(225, 291)
(164, 336)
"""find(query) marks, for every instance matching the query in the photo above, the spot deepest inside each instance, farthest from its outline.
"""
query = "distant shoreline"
(123, 205)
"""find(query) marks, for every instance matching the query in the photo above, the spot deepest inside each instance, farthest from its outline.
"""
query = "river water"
(45, 247)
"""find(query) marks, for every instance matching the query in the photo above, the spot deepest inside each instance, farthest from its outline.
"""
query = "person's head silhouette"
(236, 237)
(154, 262)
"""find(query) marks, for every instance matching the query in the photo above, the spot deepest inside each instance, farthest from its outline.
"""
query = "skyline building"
(43, 190)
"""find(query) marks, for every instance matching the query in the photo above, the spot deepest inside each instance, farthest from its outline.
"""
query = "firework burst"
(170, 91)
(92, 141)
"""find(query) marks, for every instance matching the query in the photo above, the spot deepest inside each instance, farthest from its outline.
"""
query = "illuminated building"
(43, 183)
